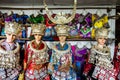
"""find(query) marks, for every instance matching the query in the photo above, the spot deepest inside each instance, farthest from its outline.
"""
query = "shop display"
(55, 32)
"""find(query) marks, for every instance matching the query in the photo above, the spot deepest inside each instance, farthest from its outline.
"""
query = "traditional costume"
(10, 54)
(61, 58)
(36, 57)
(61, 62)
(101, 59)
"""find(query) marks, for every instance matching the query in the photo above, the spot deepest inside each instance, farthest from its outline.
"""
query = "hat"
(38, 29)
(101, 33)
(62, 30)
(12, 28)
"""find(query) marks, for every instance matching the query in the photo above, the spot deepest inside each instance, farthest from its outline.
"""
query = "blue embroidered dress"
(61, 60)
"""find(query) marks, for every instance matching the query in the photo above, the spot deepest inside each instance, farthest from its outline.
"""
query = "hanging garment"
(85, 26)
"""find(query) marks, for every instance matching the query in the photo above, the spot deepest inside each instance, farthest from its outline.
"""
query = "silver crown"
(38, 29)
(101, 33)
(62, 30)
(12, 28)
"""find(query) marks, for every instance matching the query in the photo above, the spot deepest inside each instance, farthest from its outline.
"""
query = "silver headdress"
(38, 29)
(101, 33)
(60, 18)
(12, 28)
(62, 30)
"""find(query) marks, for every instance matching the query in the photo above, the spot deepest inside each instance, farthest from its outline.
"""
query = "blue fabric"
(24, 34)
(65, 47)
(57, 64)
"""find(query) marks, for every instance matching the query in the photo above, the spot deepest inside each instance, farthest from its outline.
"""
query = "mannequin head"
(12, 29)
(62, 38)
(10, 37)
(38, 31)
(101, 41)
(37, 37)
(62, 32)
(101, 35)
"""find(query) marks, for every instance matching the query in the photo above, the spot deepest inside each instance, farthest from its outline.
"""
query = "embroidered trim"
(9, 52)
(42, 54)
(101, 51)
(60, 51)
(9, 59)
(35, 50)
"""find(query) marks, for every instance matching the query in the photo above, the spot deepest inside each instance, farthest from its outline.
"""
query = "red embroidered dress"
(36, 58)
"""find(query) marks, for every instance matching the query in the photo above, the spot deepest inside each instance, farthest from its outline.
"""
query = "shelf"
(69, 39)
(80, 39)
(3, 37)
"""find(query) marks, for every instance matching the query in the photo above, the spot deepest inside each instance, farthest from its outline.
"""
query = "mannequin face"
(101, 41)
(10, 37)
(37, 37)
(62, 39)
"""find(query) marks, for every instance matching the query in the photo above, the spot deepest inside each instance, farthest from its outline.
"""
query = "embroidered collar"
(104, 51)
(9, 52)
(62, 45)
(62, 51)
(37, 46)
(35, 50)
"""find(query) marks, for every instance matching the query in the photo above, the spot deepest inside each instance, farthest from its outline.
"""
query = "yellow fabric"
(105, 19)
(101, 22)
(93, 33)
(25, 65)
(21, 76)
(94, 17)
(98, 24)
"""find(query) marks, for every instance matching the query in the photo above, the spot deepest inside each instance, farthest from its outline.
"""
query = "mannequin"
(10, 53)
(100, 57)
(61, 62)
(36, 56)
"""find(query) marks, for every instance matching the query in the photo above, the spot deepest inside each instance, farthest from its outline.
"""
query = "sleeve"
(91, 56)
(26, 54)
(72, 57)
(116, 51)
(26, 57)
(51, 63)
(53, 58)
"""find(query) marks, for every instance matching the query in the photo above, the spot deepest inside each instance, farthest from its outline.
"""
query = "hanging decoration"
(61, 18)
